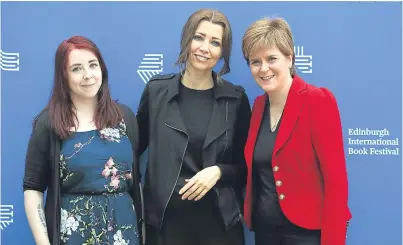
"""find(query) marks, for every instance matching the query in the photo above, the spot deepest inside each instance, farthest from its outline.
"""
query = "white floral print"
(68, 224)
(119, 239)
(114, 134)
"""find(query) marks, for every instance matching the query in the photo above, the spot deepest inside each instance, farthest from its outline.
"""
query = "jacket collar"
(220, 90)
(291, 112)
(289, 118)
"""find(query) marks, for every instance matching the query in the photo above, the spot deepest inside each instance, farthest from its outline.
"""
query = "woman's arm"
(327, 140)
(34, 209)
(36, 174)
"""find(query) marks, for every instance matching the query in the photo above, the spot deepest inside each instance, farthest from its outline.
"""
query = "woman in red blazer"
(297, 182)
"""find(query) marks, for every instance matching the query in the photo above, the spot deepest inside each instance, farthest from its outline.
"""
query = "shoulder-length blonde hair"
(268, 33)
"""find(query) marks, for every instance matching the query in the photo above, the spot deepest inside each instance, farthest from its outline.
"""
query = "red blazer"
(308, 162)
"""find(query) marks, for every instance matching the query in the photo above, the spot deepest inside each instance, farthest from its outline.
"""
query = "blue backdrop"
(354, 49)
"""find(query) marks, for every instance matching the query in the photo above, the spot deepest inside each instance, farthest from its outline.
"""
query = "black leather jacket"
(164, 133)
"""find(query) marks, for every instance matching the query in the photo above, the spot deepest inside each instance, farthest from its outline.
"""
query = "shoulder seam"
(162, 77)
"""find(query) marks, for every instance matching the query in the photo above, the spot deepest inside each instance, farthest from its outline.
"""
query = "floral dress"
(96, 177)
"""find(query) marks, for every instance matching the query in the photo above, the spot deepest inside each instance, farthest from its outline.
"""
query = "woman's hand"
(197, 187)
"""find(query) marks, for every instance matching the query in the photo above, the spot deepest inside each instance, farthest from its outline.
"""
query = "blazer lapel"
(256, 120)
(291, 113)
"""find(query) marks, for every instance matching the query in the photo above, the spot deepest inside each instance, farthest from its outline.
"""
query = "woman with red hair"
(82, 151)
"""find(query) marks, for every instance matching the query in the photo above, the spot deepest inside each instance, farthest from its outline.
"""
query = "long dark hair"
(189, 29)
(60, 106)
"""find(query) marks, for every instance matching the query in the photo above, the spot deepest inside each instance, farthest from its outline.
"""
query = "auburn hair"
(61, 108)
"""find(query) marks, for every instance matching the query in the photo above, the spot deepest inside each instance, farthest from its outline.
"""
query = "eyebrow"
(78, 64)
(201, 33)
(271, 55)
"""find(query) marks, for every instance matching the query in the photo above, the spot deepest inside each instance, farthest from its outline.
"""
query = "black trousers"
(194, 223)
(287, 234)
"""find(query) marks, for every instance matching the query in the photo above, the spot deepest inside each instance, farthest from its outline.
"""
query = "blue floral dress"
(96, 177)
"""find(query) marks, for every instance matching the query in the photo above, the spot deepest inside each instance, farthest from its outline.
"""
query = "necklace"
(275, 124)
(280, 104)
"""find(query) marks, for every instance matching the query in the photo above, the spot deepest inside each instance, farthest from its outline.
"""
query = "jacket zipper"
(236, 202)
(226, 143)
(177, 177)
(226, 132)
(222, 155)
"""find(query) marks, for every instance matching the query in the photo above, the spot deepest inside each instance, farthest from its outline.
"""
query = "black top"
(195, 108)
(266, 207)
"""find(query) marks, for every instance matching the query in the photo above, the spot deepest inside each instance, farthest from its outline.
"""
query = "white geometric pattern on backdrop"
(152, 64)
(6, 215)
(9, 61)
(302, 61)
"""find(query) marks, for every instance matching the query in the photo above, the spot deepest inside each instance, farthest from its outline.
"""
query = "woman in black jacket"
(195, 125)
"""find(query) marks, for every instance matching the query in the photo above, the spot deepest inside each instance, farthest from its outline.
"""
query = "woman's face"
(206, 46)
(84, 74)
(270, 68)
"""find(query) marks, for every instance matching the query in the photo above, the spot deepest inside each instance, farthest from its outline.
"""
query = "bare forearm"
(33, 201)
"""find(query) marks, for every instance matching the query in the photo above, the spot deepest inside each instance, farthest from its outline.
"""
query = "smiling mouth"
(89, 85)
(267, 78)
(201, 58)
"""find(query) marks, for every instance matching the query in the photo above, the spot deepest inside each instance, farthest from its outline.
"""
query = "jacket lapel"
(256, 120)
(220, 115)
(173, 117)
(291, 113)
(218, 122)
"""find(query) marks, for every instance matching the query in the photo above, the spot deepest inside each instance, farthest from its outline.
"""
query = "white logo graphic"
(151, 65)
(302, 62)
(9, 61)
(6, 216)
